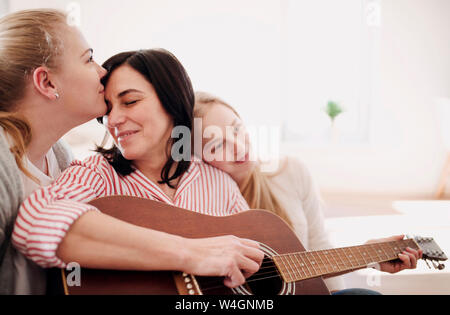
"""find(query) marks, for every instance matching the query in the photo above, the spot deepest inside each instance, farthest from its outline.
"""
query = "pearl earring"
(57, 95)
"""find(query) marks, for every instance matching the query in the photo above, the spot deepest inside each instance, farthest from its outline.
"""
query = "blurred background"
(359, 89)
(281, 62)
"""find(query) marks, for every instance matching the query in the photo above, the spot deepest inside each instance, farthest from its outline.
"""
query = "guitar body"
(259, 225)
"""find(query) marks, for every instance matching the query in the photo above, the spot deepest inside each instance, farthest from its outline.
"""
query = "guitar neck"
(304, 265)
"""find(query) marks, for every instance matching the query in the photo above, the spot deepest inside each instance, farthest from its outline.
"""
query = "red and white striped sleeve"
(47, 214)
(239, 203)
(218, 189)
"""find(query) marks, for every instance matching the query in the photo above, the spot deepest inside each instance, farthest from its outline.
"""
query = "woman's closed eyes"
(131, 102)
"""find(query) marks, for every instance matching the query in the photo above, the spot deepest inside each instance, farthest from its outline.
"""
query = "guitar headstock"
(431, 251)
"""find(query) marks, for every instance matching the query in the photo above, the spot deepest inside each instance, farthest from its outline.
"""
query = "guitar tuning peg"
(437, 265)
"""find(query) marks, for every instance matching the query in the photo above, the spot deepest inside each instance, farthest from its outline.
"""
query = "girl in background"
(289, 192)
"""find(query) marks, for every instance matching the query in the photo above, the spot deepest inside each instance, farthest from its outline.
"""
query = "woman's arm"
(45, 217)
(100, 241)
(55, 226)
(318, 235)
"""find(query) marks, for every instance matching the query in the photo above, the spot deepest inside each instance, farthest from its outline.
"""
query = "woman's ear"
(43, 83)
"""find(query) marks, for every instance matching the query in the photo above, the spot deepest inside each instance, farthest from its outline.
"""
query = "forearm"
(45, 217)
(53, 234)
(99, 241)
(96, 240)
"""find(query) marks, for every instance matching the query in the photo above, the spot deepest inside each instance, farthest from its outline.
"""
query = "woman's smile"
(245, 159)
(125, 136)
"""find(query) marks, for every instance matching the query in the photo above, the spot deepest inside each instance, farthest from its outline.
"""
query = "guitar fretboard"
(304, 265)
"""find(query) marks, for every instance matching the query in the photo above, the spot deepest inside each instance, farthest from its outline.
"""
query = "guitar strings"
(271, 272)
(220, 284)
(257, 277)
(267, 265)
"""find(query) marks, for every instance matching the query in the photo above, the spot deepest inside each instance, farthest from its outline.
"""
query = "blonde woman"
(290, 192)
(49, 83)
(45, 65)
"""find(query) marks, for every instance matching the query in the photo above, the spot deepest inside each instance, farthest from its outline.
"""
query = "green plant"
(333, 110)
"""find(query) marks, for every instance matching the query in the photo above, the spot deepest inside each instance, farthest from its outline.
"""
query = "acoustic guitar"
(287, 268)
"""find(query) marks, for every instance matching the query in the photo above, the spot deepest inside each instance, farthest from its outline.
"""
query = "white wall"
(241, 64)
(229, 48)
(405, 152)
(4, 7)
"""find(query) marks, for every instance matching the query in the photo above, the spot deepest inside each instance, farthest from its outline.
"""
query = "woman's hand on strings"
(225, 256)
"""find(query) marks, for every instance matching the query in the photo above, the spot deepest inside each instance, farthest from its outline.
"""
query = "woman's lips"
(125, 136)
(244, 160)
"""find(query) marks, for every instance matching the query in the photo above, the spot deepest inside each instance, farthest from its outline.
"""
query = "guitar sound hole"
(266, 281)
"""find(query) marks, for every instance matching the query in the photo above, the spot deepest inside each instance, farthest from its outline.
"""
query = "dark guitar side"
(258, 225)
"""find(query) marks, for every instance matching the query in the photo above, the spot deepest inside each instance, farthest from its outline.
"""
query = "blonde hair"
(28, 39)
(256, 189)
(204, 101)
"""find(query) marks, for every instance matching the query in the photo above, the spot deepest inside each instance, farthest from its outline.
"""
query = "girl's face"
(226, 143)
(78, 79)
(137, 120)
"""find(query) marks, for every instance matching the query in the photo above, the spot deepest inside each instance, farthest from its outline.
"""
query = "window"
(329, 53)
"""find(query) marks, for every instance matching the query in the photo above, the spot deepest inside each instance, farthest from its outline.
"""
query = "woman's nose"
(239, 148)
(101, 71)
(115, 118)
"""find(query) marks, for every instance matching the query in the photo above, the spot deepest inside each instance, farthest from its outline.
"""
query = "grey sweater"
(11, 197)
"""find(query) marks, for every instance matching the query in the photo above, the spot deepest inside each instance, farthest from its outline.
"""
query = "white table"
(424, 218)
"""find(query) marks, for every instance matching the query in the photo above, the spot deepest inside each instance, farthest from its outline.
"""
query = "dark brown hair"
(174, 90)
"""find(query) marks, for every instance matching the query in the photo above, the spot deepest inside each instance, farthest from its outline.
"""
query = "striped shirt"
(46, 215)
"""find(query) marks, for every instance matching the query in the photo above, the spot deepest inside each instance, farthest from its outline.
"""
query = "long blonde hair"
(28, 39)
(256, 189)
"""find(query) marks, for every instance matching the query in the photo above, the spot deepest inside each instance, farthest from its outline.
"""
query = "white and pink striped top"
(46, 215)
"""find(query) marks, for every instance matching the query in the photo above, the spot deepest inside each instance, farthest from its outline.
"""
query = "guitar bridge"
(186, 284)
